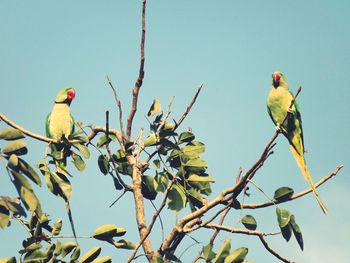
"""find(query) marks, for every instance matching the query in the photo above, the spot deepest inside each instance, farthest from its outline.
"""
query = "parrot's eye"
(70, 94)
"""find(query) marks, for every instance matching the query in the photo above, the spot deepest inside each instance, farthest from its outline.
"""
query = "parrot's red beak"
(276, 79)
(71, 94)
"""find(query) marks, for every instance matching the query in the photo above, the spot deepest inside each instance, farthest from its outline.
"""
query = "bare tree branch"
(295, 196)
(139, 205)
(189, 107)
(26, 132)
(155, 216)
(138, 83)
(261, 236)
(119, 105)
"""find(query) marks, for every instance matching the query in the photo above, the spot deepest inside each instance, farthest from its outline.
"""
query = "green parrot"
(278, 103)
(60, 123)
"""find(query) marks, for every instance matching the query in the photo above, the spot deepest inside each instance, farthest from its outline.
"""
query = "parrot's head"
(278, 79)
(66, 95)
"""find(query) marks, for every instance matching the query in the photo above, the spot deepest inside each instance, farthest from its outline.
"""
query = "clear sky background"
(233, 46)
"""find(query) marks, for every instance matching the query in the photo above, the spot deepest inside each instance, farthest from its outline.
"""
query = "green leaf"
(103, 140)
(155, 108)
(208, 253)
(49, 251)
(31, 247)
(8, 260)
(13, 205)
(152, 139)
(200, 178)
(156, 164)
(124, 168)
(13, 161)
(162, 181)
(117, 184)
(283, 217)
(283, 193)
(297, 232)
(287, 232)
(78, 162)
(148, 187)
(168, 144)
(198, 163)
(67, 248)
(35, 256)
(105, 259)
(19, 177)
(249, 222)
(176, 198)
(90, 255)
(18, 147)
(194, 149)
(10, 134)
(237, 256)
(58, 249)
(83, 150)
(124, 244)
(119, 156)
(223, 251)
(103, 164)
(60, 186)
(195, 198)
(76, 253)
(186, 137)
(57, 227)
(108, 231)
(29, 171)
(4, 216)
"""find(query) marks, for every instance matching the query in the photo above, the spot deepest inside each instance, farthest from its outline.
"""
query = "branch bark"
(295, 196)
(139, 80)
(140, 206)
(259, 234)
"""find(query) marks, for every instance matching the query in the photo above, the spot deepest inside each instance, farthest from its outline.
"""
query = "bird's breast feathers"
(60, 122)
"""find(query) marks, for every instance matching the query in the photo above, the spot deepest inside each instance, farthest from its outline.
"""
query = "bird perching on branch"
(279, 107)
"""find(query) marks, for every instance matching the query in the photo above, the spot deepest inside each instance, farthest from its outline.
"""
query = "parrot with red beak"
(278, 104)
(59, 125)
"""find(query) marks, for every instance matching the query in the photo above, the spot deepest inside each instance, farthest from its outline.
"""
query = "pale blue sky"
(233, 46)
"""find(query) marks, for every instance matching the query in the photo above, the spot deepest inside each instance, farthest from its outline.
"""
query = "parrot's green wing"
(47, 126)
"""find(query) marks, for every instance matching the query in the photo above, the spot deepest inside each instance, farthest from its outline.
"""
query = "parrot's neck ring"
(61, 102)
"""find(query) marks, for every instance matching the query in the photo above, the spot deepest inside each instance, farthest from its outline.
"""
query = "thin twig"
(119, 105)
(138, 83)
(166, 115)
(178, 123)
(295, 196)
(118, 198)
(262, 191)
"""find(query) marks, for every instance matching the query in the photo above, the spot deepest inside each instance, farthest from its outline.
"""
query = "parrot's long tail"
(69, 212)
(305, 171)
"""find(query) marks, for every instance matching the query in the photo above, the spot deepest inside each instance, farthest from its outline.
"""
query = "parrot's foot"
(278, 128)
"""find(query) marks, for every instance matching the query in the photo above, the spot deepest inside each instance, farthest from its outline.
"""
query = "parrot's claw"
(278, 128)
